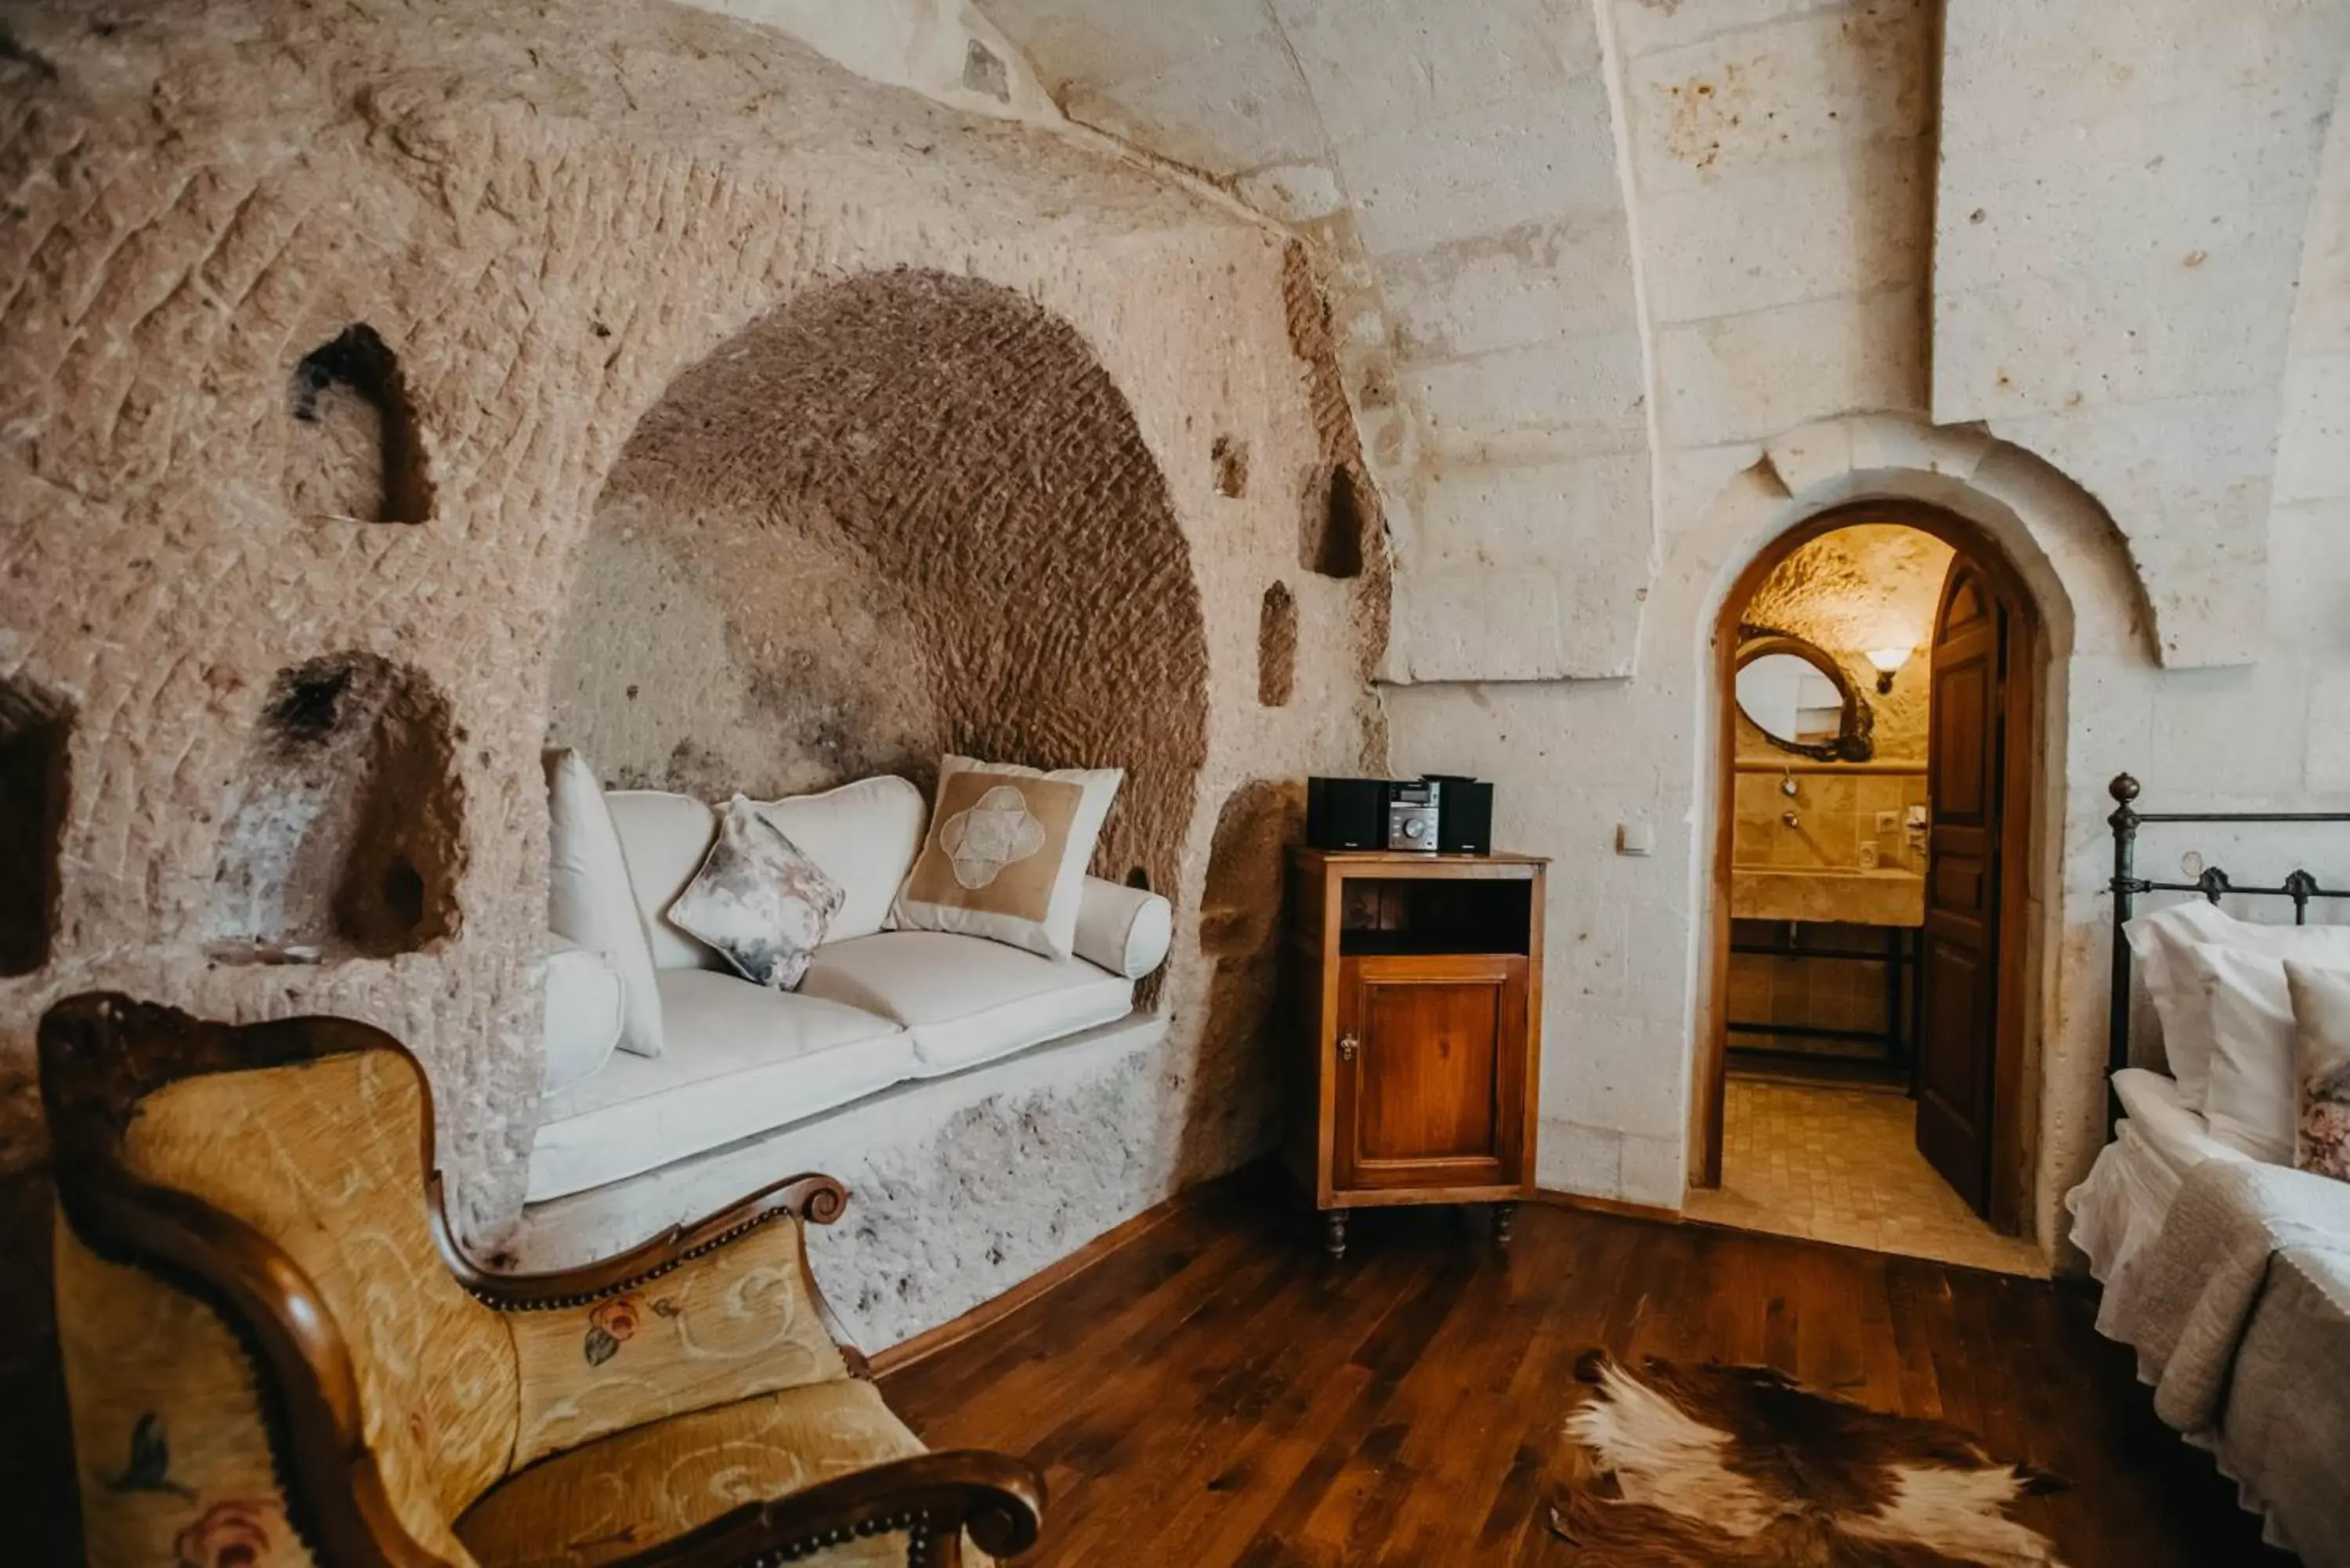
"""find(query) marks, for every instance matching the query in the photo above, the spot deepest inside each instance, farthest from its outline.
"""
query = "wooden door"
(1980, 687)
(1431, 1073)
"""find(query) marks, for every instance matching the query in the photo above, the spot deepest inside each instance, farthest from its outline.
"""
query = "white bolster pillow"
(1125, 930)
(583, 1012)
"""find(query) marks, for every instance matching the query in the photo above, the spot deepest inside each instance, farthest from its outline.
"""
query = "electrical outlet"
(1888, 821)
(1868, 857)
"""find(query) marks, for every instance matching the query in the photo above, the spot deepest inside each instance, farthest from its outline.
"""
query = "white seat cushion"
(665, 838)
(741, 1059)
(966, 999)
(864, 834)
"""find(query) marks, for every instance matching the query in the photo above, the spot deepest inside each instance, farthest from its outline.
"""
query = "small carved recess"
(1276, 646)
(34, 727)
(356, 455)
(343, 826)
(1855, 741)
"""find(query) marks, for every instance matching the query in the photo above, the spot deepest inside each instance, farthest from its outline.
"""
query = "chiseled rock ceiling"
(2092, 238)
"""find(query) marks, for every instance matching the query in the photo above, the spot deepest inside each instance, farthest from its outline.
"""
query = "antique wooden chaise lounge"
(277, 1353)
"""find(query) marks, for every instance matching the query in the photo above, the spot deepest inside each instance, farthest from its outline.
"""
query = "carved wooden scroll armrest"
(932, 1500)
(810, 1197)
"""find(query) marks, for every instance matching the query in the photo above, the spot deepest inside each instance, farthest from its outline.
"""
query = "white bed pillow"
(2252, 1100)
(589, 899)
(2159, 943)
(584, 1009)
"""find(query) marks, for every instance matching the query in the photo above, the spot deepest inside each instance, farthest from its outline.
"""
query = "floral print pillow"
(758, 899)
(2320, 1068)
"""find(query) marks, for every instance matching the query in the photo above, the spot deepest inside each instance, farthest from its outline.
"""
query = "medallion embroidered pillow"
(1006, 853)
(758, 899)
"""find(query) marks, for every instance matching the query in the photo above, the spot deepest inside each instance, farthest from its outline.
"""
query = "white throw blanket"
(2194, 1292)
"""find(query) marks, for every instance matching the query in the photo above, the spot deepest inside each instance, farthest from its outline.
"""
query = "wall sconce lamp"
(1888, 660)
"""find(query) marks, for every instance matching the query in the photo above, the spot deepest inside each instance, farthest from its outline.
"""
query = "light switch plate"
(1636, 838)
(1917, 816)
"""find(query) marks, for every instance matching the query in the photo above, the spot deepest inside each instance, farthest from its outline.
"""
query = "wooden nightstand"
(1415, 1030)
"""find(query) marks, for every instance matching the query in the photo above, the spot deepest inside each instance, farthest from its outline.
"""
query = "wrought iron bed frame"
(2213, 883)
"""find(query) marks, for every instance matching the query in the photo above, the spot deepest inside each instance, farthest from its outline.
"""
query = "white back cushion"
(665, 838)
(589, 899)
(864, 836)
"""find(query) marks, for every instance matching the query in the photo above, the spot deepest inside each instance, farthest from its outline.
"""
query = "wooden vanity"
(1415, 1030)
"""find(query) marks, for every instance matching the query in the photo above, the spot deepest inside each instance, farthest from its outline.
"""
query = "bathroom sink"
(1882, 897)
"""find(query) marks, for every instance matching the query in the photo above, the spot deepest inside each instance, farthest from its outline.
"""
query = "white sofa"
(878, 1006)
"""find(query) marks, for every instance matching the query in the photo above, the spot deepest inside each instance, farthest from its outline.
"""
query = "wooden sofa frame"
(101, 1054)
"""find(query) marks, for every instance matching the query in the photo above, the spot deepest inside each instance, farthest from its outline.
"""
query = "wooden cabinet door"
(1431, 1073)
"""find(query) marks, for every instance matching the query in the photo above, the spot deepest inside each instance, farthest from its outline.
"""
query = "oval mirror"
(1798, 698)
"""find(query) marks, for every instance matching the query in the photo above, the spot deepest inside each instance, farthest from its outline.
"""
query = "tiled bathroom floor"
(1842, 1164)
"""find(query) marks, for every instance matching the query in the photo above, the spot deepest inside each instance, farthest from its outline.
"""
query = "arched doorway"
(1944, 923)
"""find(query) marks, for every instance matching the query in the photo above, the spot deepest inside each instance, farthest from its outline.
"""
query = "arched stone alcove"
(902, 514)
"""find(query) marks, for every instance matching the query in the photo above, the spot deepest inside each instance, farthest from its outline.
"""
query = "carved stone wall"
(1874, 585)
(549, 216)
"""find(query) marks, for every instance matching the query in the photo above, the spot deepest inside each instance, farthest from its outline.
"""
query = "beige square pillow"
(1006, 853)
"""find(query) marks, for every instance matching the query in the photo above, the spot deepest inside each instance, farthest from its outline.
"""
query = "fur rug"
(1742, 1466)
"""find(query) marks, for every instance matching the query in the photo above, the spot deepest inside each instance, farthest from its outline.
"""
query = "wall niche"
(355, 452)
(34, 728)
(1334, 528)
(1276, 646)
(342, 832)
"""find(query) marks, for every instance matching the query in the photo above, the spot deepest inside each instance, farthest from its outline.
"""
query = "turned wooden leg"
(1334, 1232)
(1503, 1214)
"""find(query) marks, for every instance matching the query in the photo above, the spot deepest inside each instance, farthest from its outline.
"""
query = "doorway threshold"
(1840, 1164)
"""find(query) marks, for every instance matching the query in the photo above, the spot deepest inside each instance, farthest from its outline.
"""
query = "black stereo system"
(1445, 813)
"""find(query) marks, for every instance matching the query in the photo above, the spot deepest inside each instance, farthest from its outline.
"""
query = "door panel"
(1430, 1081)
(1967, 751)
(1428, 1075)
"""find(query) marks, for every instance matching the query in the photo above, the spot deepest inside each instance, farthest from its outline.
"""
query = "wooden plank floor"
(1217, 1392)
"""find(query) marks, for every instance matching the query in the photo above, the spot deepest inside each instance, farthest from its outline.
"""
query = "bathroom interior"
(1830, 821)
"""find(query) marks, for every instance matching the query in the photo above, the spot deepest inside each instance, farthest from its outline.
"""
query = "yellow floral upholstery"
(732, 1324)
(594, 1504)
(646, 1410)
(325, 1158)
(169, 1443)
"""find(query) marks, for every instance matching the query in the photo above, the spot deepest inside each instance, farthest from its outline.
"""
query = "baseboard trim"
(994, 1310)
(1615, 1205)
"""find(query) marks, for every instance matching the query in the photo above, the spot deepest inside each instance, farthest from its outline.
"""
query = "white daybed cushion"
(2160, 941)
(741, 1059)
(587, 896)
(665, 838)
(864, 835)
(1125, 930)
(585, 1007)
(966, 999)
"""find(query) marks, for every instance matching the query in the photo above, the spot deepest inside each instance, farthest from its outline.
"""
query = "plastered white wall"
(1455, 170)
